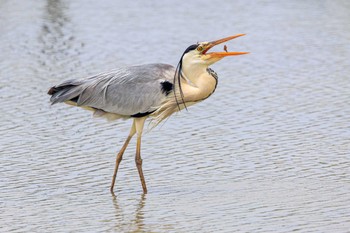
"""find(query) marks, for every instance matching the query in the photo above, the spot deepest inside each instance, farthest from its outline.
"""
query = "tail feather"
(67, 91)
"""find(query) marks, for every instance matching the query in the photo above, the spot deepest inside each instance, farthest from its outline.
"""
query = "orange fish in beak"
(221, 54)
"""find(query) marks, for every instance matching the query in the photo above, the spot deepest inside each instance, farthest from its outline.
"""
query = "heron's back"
(129, 91)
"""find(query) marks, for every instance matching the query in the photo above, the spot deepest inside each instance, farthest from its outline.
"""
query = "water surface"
(268, 152)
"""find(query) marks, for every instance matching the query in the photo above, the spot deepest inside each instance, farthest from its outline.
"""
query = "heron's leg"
(139, 122)
(121, 152)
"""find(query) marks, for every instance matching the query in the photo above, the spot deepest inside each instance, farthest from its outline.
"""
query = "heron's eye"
(200, 48)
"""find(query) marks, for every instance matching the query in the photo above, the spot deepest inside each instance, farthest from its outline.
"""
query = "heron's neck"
(200, 83)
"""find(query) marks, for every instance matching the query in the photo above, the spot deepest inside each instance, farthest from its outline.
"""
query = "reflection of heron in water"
(137, 221)
(59, 46)
(139, 92)
(53, 30)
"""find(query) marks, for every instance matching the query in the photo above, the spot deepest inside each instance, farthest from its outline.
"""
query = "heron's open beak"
(221, 54)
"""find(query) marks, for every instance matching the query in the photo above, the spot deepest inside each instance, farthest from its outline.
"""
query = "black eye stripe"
(190, 48)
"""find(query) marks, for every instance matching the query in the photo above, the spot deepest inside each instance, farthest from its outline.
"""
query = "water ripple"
(268, 152)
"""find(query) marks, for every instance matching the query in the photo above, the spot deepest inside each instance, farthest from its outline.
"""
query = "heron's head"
(198, 54)
(197, 58)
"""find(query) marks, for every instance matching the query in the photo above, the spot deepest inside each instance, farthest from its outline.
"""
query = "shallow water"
(268, 152)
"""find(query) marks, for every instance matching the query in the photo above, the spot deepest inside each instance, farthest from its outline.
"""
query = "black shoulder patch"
(166, 87)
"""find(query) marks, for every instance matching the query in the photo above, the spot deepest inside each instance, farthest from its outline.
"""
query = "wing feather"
(125, 91)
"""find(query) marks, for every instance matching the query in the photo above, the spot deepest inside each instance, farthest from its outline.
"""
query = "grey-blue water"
(268, 152)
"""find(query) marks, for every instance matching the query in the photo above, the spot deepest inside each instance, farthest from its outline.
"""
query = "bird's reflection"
(56, 17)
(136, 222)
(139, 214)
(57, 37)
(52, 33)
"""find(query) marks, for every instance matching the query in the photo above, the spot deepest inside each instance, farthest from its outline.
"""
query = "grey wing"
(127, 91)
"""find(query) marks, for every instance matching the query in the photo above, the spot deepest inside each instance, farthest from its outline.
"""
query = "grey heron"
(143, 91)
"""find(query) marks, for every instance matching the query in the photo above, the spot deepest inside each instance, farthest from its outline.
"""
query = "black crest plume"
(178, 75)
